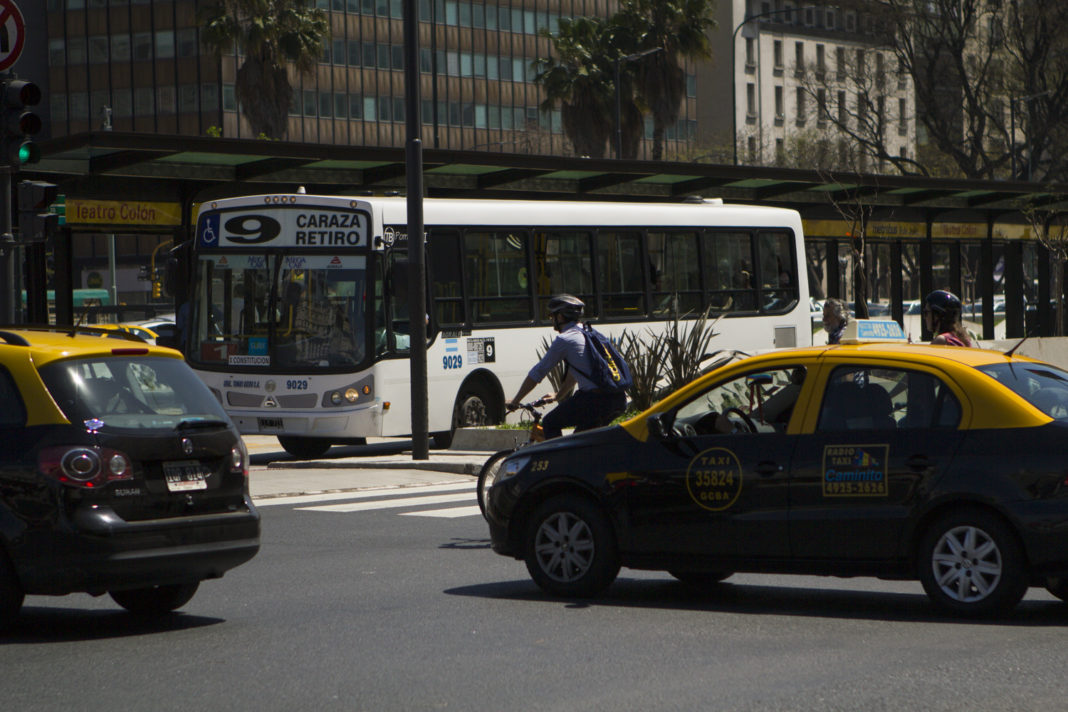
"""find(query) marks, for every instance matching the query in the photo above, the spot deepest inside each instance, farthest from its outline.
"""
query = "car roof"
(46, 345)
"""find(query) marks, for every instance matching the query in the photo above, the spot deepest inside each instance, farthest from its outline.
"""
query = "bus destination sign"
(297, 226)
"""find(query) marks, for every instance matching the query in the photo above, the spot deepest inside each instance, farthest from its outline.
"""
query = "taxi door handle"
(767, 468)
(918, 463)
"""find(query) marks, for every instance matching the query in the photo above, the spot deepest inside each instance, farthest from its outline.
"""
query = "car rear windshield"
(140, 392)
(1042, 385)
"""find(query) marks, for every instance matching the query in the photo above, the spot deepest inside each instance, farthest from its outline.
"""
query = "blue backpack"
(608, 371)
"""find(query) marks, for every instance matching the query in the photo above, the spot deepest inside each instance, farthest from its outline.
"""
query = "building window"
(326, 105)
(98, 49)
(166, 100)
(780, 112)
(120, 48)
(165, 44)
(800, 106)
(143, 101)
(750, 100)
(821, 63)
(308, 104)
(840, 61)
(187, 98)
(209, 97)
(79, 105)
(902, 117)
(355, 106)
(799, 59)
(777, 53)
(822, 114)
(76, 50)
(142, 46)
(57, 106)
(750, 53)
(229, 97)
(187, 42)
(341, 105)
(57, 57)
(843, 110)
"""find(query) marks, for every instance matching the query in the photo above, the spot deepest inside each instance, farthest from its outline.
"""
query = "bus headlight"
(362, 391)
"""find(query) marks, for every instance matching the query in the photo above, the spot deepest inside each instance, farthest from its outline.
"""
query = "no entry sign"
(12, 33)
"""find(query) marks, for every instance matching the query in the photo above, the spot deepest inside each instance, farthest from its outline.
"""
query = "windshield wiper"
(200, 422)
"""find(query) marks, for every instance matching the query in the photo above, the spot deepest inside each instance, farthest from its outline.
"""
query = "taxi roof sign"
(865, 331)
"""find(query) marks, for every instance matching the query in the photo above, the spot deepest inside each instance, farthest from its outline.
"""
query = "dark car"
(120, 473)
(899, 461)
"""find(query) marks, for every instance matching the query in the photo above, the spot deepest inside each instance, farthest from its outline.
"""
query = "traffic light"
(36, 220)
(157, 288)
(19, 123)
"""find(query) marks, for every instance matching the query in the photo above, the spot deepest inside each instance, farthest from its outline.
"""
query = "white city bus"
(297, 315)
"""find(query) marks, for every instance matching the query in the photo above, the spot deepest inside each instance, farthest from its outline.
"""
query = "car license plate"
(185, 475)
(270, 423)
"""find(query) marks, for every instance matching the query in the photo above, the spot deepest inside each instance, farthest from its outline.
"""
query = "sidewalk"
(383, 462)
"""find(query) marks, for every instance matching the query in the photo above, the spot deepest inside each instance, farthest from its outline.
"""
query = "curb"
(456, 468)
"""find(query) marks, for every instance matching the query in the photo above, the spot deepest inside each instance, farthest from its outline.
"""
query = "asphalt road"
(366, 602)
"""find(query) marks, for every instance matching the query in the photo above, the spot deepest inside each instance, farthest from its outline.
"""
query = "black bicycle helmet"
(568, 306)
(942, 302)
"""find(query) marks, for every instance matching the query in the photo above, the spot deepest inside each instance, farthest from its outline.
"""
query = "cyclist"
(587, 408)
(942, 315)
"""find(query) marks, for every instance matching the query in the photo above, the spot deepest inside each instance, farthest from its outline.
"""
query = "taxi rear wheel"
(11, 595)
(570, 547)
(701, 579)
(971, 564)
(155, 600)
(1058, 587)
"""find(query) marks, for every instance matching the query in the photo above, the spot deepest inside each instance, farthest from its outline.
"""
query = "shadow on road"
(337, 452)
(748, 599)
(40, 624)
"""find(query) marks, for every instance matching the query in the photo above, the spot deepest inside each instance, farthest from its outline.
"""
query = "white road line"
(450, 513)
(390, 503)
(362, 494)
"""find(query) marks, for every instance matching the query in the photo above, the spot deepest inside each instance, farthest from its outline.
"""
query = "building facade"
(139, 65)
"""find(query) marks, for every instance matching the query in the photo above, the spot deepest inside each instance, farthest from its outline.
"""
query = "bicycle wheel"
(488, 475)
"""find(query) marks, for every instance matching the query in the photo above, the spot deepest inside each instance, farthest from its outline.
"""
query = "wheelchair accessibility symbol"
(209, 230)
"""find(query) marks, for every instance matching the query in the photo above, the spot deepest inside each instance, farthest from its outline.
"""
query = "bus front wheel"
(475, 407)
(304, 448)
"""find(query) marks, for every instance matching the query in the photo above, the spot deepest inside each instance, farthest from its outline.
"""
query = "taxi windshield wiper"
(199, 422)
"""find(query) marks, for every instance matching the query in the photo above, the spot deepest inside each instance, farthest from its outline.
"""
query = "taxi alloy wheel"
(155, 600)
(971, 564)
(570, 547)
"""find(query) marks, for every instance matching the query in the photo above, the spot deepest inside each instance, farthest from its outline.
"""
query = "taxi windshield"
(1042, 385)
(131, 392)
(278, 311)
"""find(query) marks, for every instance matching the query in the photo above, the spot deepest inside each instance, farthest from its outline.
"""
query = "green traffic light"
(29, 152)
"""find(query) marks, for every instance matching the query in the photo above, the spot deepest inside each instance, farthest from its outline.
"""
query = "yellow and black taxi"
(870, 458)
(120, 473)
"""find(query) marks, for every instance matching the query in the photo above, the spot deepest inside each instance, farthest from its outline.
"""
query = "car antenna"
(74, 329)
(1019, 343)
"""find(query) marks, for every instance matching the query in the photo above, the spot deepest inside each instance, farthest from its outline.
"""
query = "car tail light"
(81, 466)
(239, 459)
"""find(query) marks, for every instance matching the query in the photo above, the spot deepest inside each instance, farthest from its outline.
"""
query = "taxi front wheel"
(570, 547)
(971, 564)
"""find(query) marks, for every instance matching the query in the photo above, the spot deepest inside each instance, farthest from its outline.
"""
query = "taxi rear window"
(130, 392)
(1042, 385)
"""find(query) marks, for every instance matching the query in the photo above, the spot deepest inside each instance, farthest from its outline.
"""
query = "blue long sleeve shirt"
(569, 346)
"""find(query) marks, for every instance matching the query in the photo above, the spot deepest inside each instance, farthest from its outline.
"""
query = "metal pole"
(417, 315)
(7, 252)
(619, 115)
(113, 288)
(1012, 137)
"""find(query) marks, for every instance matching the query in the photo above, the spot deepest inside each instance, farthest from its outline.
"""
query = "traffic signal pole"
(7, 251)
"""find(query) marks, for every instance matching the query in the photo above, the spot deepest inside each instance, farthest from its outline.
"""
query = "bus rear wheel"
(304, 448)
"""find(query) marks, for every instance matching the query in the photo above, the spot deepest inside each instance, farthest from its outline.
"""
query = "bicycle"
(487, 476)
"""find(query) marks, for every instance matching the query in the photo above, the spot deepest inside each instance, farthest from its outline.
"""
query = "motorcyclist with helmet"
(942, 315)
(587, 408)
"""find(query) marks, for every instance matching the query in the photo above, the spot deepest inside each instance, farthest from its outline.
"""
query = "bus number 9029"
(452, 361)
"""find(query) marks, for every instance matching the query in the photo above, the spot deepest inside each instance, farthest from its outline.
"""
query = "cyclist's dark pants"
(583, 411)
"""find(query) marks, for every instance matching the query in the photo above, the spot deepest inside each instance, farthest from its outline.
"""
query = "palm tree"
(270, 34)
(580, 78)
(680, 28)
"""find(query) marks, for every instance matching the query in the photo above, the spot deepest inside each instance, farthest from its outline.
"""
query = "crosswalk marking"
(390, 503)
(449, 513)
(363, 494)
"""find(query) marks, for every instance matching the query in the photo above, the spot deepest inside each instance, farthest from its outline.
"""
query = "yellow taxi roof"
(47, 345)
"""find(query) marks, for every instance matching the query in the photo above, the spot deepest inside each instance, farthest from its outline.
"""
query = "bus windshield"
(279, 311)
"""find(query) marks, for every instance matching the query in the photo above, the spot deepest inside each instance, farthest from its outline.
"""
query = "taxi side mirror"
(660, 426)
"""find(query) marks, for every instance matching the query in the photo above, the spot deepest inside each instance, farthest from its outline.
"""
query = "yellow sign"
(918, 230)
(122, 212)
